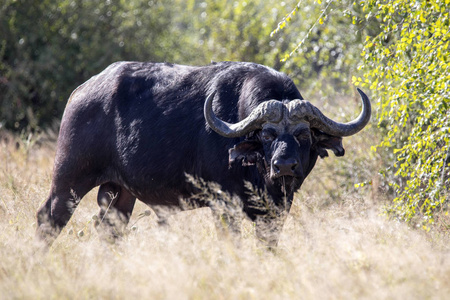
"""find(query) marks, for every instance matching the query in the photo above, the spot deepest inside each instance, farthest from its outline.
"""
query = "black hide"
(137, 128)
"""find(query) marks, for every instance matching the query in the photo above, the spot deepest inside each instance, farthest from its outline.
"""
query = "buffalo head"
(284, 138)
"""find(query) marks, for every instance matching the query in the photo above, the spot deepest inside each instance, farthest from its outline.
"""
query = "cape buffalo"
(138, 130)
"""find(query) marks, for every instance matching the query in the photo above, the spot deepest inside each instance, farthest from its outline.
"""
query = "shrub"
(407, 65)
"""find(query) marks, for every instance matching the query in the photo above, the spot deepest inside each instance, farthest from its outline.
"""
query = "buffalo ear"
(323, 141)
(246, 151)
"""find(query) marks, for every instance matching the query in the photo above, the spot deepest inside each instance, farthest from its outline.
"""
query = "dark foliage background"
(49, 47)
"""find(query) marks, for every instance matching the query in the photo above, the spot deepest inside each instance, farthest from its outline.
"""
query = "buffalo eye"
(302, 134)
(268, 135)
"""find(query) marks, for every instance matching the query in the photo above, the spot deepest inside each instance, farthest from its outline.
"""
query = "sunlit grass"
(335, 245)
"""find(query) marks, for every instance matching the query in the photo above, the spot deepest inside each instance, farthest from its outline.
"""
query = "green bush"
(407, 65)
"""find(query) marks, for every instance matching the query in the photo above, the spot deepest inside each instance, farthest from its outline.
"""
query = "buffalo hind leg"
(116, 205)
(54, 214)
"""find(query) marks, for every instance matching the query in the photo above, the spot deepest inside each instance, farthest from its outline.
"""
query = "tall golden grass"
(336, 244)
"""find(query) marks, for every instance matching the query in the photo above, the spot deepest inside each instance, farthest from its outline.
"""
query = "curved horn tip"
(207, 107)
(210, 98)
(221, 127)
(366, 101)
(345, 129)
(361, 92)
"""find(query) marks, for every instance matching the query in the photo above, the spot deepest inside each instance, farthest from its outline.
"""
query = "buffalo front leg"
(54, 214)
(268, 229)
(116, 205)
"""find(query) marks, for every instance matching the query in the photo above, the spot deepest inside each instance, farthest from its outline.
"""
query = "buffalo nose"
(284, 167)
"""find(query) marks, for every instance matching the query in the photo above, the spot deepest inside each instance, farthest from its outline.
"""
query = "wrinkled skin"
(137, 129)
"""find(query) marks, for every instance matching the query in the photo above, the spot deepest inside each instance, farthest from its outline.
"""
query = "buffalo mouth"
(287, 184)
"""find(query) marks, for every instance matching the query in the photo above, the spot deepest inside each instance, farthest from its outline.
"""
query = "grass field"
(336, 244)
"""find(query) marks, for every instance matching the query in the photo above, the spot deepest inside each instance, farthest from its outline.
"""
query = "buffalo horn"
(300, 109)
(268, 111)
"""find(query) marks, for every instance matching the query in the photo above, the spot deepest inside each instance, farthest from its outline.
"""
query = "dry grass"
(330, 248)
